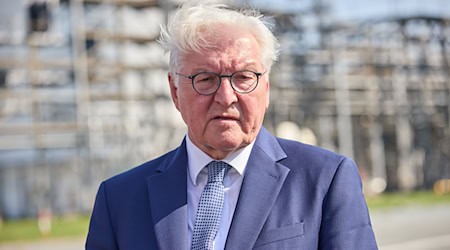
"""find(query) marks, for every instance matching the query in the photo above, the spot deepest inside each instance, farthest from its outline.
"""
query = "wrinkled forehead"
(224, 44)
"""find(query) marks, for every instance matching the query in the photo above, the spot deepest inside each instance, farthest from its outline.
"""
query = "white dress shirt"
(198, 177)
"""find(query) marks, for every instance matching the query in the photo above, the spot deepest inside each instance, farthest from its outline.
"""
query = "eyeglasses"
(207, 83)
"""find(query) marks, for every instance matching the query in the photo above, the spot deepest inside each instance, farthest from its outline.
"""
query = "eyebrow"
(249, 66)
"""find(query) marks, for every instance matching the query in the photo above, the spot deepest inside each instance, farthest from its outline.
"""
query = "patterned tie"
(210, 208)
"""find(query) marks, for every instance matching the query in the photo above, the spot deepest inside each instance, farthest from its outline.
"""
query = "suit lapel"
(262, 183)
(168, 201)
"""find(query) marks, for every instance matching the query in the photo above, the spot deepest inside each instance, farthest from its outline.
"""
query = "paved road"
(407, 228)
(413, 228)
(55, 244)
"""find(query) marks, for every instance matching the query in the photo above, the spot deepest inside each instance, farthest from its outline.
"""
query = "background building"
(84, 95)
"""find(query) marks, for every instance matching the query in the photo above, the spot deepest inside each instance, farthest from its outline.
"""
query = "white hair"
(188, 26)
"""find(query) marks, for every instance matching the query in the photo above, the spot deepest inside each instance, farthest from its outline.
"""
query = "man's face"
(225, 121)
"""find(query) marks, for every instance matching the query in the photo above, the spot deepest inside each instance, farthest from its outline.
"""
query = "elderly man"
(231, 184)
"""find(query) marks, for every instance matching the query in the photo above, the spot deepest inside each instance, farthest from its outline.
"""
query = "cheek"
(258, 108)
(194, 112)
(185, 110)
(254, 112)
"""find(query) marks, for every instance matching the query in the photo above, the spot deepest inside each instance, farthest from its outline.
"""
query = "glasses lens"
(206, 83)
(244, 81)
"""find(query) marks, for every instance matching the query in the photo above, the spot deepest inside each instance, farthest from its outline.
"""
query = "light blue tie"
(210, 208)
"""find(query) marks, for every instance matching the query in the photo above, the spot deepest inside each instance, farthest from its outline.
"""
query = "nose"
(225, 95)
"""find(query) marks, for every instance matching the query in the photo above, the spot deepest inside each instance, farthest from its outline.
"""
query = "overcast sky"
(365, 9)
(353, 10)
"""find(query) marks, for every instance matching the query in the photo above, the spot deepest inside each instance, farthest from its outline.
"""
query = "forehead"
(228, 46)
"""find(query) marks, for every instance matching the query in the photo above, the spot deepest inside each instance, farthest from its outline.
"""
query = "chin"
(227, 141)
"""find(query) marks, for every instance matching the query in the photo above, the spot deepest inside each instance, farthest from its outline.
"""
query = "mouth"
(226, 118)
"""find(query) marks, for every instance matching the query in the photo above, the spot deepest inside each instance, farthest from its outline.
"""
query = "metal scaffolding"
(376, 91)
(84, 95)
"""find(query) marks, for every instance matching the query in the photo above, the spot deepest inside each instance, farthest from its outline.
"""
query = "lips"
(226, 117)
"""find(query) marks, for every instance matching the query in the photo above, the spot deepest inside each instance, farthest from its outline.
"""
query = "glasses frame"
(192, 77)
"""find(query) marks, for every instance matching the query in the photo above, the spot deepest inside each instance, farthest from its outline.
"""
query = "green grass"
(27, 229)
(421, 198)
(71, 227)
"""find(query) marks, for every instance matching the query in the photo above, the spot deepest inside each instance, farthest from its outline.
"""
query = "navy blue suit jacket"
(293, 196)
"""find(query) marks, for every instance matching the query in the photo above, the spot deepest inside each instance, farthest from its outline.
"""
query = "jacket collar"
(168, 200)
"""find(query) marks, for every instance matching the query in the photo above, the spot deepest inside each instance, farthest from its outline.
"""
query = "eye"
(205, 78)
(244, 76)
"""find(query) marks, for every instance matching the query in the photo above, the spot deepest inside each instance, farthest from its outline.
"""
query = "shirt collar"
(197, 159)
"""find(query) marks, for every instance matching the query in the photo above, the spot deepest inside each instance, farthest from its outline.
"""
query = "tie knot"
(217, 171)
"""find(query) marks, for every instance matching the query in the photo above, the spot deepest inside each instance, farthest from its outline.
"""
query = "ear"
(267, 93)
(173, 90)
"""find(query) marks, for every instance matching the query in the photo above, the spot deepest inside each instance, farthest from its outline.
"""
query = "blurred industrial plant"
(84, 95)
